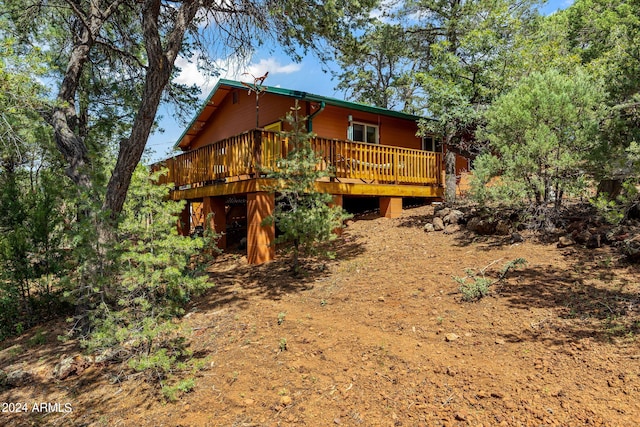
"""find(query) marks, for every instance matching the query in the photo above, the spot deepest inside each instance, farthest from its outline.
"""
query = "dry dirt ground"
(366, 342)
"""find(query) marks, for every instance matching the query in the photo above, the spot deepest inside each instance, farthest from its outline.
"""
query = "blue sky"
(308, 75)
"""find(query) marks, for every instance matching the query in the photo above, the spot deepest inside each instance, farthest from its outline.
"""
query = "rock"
(285, 400)
(64, 368)
(565, 241)
(486, 227)
(70, 365)
(248, 402)
(595, 241)
(581, 237)
(461, 416)
(381, 299)
(516, 238)
(17, 378)
(429, 228)
(107, 355)
(576, 226)
(443, 212)
(454, 217)
(500, 341)
(481, 226)
(451, 228)
(503, 227)
(438, 225)
(473, 223)
(632, 250)
(451, 337)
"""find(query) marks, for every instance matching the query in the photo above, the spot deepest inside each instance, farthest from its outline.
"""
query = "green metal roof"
(305, 96)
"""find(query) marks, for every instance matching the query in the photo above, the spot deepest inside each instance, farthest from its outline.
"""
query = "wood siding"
(333, 123)
(232, 119)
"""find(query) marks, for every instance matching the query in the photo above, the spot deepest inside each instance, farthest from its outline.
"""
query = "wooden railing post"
(396, 166)
(257, 152)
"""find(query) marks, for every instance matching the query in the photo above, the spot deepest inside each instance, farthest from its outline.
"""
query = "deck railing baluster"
(244, 154)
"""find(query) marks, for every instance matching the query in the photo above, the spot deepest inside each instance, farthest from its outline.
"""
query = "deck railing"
(251, 153)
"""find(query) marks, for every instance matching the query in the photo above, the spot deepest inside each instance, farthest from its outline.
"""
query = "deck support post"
(391, 207)
(260, 247)
(337, 201)
(184, 220)
(218, 221)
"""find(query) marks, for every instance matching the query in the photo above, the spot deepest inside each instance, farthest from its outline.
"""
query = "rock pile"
(446, 220)
(587, 232)
(591, 234)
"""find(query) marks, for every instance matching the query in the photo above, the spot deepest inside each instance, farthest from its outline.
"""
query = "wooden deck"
(237, 165)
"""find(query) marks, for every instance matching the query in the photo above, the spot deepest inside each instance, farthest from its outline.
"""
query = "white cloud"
(273, 66)
(234, 68)
(191, 75)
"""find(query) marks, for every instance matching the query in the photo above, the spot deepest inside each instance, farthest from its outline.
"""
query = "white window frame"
(364, 133)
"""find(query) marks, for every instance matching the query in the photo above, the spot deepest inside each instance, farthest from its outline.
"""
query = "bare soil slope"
(369, 342)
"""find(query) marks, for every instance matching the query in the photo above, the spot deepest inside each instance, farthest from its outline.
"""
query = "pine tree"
(304, 216)
(541, 134)
(154, 275)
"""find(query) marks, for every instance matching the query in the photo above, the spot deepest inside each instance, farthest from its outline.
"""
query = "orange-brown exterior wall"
(334, 121)
(231, 119)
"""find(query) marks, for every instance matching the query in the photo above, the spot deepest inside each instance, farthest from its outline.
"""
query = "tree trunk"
(609, 188)
(451, 181)
(64, 118)
(159, 70)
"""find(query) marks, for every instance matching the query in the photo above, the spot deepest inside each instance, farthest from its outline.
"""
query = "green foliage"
(32, 253)
(39, 338)
(375, 67)
(303, 215)
(472, 47)
(483, 182)
(32, 208)
(605, 35)
(281, 317)
(610, 210)
(171, 393)
(155, 273)
(617, 210)
(475, 285)
(540, 136)
(475, 290)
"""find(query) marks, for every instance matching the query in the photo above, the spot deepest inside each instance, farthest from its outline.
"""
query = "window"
(429, 143)
(362, 132)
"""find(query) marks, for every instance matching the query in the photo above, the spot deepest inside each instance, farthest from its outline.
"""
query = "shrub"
(541, 134)
(31, 249)
(478, 286)
(156, 272)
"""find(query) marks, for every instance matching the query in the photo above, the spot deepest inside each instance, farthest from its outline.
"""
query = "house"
(373, 152)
